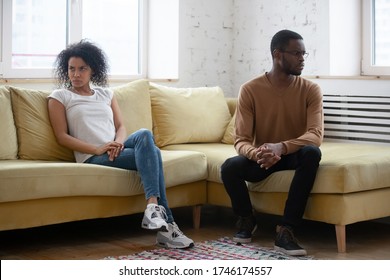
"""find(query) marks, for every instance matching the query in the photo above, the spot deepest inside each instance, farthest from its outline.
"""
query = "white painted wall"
(257, 21)
(226, 42)
(345, 37)
(163, 46)
(206, 43)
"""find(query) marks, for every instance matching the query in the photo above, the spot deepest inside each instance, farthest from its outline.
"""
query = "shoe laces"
(161, 212)
(287, 235)
(175, 229)
(245, 223)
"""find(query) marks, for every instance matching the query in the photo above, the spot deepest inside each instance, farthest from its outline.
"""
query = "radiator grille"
(357, 118)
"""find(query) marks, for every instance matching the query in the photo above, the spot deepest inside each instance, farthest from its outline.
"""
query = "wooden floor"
(96, 239)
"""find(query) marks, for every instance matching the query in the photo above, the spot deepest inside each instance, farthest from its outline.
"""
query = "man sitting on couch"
(279, 126)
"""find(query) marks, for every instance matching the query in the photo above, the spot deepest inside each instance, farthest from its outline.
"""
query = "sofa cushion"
(344, 168)
(8, 140)
(188, 115)
(216, 154)
(25, 179)
(232, 104)
(36, 138)
(228, 137)
(134, 101)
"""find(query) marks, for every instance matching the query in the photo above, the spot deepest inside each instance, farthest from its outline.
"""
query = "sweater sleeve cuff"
(284, 149)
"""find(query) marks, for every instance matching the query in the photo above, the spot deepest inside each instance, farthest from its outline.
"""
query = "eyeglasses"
(297, 54)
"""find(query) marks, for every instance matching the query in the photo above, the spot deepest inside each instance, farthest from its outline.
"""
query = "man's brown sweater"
(265, 114)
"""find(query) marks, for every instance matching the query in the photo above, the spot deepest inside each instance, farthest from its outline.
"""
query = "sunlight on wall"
(345, 37)
(163, 61)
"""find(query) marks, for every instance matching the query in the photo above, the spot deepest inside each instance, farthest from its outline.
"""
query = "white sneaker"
(174, 238)
(155, 218)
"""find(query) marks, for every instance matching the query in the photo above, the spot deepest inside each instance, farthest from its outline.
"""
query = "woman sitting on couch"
(88, 121)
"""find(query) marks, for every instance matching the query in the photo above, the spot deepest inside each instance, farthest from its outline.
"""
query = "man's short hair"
(281, 39)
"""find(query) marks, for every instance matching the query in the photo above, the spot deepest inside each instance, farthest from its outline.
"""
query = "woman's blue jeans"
(141, 154)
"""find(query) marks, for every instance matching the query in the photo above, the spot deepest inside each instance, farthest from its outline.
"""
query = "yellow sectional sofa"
(40, 183)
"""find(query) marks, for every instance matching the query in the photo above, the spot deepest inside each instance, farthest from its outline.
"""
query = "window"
(376, 42)
(34, 32)
(115, 25)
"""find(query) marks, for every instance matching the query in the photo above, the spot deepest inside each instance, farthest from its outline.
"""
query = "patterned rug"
(221, 249)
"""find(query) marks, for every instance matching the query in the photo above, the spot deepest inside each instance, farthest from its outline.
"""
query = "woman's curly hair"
(93, 56)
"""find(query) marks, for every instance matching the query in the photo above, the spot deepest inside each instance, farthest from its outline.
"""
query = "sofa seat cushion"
(216, 154)
(344, 168)
(27, 179)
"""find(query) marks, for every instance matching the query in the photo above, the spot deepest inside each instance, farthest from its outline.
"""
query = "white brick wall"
(226, 42)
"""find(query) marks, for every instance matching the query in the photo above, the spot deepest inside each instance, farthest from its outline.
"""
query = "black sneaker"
(285, 242)
(247, 226)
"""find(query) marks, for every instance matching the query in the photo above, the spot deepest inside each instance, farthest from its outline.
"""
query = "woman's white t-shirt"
(90, 118)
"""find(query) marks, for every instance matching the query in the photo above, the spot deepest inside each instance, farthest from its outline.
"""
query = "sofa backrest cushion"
(188, 115)
(8, 140)
(229, 136)
(36, 138)
(134, 101)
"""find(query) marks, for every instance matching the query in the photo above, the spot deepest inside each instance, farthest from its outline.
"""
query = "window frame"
(367, 66)
(74, 32)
